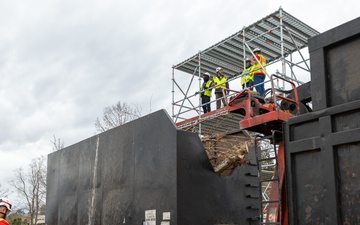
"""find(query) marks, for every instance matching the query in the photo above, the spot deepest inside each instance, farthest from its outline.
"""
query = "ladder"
(271, 177)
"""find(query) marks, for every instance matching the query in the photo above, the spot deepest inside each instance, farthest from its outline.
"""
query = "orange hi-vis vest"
(3, 222)
(257, 69)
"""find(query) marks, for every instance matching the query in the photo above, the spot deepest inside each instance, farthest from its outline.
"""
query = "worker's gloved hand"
(196, 93)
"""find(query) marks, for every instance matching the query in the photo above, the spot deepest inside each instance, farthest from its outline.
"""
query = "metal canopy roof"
(264, 34)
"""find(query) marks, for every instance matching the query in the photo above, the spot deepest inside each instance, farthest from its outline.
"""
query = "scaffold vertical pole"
(244, 52)
(200, 102)
(173, 93)
(282, 46)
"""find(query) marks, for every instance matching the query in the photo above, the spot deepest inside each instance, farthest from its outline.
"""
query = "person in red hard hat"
(5, 209)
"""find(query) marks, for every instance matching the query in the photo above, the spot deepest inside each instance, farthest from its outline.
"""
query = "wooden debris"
(226, 152)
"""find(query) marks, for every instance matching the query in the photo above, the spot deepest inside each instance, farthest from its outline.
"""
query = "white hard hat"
(218, 69)
(5, 202)
(207, 74)
(247, 59)
(256, 50)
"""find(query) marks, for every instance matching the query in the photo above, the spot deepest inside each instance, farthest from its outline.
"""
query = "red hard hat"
(5, 202)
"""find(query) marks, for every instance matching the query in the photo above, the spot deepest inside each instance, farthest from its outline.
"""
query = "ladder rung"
(252, 207)
(252, 196)
(266, 159)
(251, 174)
(251, 185)
(263, 171)
(269, 180)
(271, 201)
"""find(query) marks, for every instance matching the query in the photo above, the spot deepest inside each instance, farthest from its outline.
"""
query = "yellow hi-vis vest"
(207, 91)
(247, 75)
(220, 83)
(257, 69)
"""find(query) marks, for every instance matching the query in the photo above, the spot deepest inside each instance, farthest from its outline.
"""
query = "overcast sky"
(63, 61)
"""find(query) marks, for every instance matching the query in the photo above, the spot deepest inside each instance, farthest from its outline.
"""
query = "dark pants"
(259, 78)
(206, 107)
(218, 100)
(248, 85)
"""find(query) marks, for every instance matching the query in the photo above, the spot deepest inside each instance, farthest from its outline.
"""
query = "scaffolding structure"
(279, 36)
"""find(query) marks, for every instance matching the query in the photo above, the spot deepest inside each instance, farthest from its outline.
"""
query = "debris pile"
(226, 152)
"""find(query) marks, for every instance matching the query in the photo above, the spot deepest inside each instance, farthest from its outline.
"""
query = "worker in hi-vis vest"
(206, 89)
(247, 77)
(221, 84)
(259, 67)
(5, 209)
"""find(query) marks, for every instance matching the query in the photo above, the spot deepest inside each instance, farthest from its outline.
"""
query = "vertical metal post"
(199, 93)
(291, 67)
(173, 93)
(282, 46)
(244, 52)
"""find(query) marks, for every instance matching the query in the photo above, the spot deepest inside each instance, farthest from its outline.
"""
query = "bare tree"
(3, 192)
(117, 115)
(31, 186)
(57, 144)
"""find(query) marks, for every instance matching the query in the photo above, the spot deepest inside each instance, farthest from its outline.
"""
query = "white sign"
(166, 215)
(165, 223)
(150, 217)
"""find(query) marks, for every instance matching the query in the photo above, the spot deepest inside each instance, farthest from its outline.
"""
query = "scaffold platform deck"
(221, 121)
